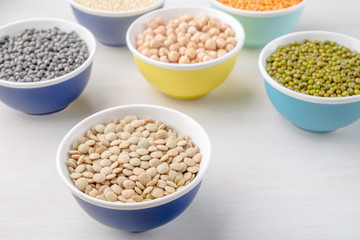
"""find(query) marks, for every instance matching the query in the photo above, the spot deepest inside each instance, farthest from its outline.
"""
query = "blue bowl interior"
(313, 117)
(140, 219)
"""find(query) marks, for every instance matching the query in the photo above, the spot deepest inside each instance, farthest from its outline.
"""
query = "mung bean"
(317, 68)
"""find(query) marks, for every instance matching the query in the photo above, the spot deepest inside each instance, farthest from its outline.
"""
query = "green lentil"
(132, 167)
(318, 68)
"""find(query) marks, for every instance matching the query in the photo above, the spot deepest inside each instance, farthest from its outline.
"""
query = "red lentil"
(260, 5)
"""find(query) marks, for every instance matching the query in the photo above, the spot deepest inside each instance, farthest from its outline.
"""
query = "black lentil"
(318, 68)
(40, 54)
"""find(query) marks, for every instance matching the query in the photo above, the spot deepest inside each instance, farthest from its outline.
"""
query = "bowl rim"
(130, 206)
(45, 83)
(236, 26)
(274, 44)
(259, 14)
(103, 13)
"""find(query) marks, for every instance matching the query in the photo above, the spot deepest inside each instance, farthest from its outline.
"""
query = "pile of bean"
(186, 40)
(116, 5)
(318, 68)
(260, 5)
(40, 54)
(132, 160)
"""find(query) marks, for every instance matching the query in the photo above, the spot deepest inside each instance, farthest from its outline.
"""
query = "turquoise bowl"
(310, 113)
(263, 26)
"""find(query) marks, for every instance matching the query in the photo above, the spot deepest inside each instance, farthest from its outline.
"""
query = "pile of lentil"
(116, 5)
(318, 68)
(186, 40)
(132, 160)
(260, 5)
(40, 54)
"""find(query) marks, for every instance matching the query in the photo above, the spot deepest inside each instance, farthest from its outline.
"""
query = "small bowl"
(136, 217)
(185, 81)
(109, 27)
(263, 26)
(311, 113)
(53, 95)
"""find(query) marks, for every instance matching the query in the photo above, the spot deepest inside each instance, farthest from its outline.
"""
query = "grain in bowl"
(108, 20)
(185, 78)
(132, 160)
(116, 5)
(149, 214)
(186, 39)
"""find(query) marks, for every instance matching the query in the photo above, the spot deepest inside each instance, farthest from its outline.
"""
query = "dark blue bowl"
(139, 220)
(53, 95)
(108, 27)
(46, 99)
(141, 216)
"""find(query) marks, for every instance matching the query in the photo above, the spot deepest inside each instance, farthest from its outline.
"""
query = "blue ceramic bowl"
(311, 113)
(108, 27)
(143, 216)
(263, 26)
(51, 95)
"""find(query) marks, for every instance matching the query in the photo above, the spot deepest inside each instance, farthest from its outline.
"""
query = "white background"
(268, 179)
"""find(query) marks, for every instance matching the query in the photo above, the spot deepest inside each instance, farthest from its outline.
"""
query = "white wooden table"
(268, 179)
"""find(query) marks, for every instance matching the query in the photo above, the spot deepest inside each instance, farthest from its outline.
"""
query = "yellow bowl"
(185, 81)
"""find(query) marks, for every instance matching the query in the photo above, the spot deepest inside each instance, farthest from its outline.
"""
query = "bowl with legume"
(185, 52)
(134, 167)
(109, 20)
(263, 21)
(45, 64)
(313, 79)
